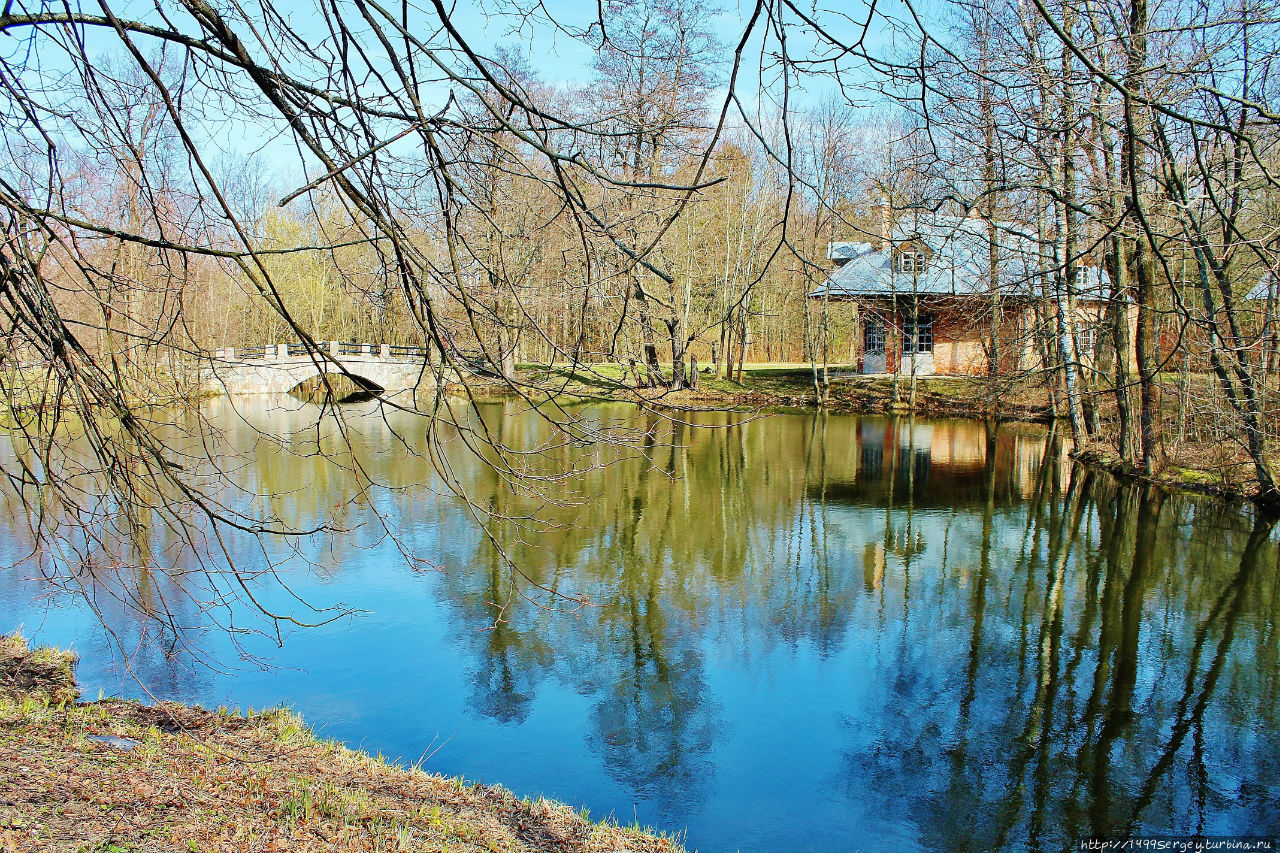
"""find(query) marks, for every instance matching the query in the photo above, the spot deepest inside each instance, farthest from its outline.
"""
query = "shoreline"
(777, 388)
(114, 775)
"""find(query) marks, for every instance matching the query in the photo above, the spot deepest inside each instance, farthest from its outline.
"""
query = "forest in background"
(674, 206)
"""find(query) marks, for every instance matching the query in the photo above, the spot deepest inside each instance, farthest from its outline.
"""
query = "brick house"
(924, 302)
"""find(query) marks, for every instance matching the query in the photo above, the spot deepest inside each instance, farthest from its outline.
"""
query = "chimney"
(882, 213)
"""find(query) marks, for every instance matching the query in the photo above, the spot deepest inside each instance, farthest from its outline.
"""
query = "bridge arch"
(336, 386)
(278, 369)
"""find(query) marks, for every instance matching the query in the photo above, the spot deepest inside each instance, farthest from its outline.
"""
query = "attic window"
(911, 261)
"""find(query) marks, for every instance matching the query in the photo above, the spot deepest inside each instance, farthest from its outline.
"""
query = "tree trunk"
(1139, 260)
(653, 371)
(1147, 356)
(679, 378)
(1119, 310)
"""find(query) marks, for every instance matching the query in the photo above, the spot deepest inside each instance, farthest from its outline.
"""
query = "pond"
(799, 632)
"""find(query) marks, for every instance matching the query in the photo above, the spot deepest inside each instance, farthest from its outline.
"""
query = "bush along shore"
(1194, 456)
(113, 776)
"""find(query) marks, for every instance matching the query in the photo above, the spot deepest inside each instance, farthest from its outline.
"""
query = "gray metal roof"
(1264, 289)
(958, 265)
(846, 251)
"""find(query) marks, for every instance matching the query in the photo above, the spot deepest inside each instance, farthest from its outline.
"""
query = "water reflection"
(921, 635)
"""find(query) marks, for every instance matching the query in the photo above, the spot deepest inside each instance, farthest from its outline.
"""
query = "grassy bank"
(782, 386)
(113, 776)
(1195, 457)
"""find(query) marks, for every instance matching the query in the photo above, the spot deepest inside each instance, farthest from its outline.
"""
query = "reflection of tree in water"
(1096, 685)
(650, 722)
(514, 656)
(1045, 655)
(1025, 727)
(655, 548)
(713, 529)
(507, 673)
(655, 724)
(149, 626)
(287, 464)
(653, 721)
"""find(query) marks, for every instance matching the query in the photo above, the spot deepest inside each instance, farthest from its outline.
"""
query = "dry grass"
(771, 387)
(197, 780)
(44, 674)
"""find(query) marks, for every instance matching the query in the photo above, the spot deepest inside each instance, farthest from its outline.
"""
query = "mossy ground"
(199, 780)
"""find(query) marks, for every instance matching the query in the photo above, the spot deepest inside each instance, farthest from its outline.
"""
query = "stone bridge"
(280, 368)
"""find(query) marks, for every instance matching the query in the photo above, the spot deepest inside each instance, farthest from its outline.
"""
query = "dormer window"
(911, 261)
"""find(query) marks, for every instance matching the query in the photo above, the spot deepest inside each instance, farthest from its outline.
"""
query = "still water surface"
(805, 632)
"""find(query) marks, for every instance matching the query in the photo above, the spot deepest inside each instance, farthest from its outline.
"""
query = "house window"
(1086, 342)
(910, 261)
(874, 338)
(917, 334)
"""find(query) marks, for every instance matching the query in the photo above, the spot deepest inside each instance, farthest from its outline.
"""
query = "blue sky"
(556, 57)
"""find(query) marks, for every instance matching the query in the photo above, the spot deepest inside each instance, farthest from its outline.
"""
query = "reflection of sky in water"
(806, 633)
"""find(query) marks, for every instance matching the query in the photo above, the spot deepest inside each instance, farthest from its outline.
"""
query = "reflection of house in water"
(901, 493)
(937, 463)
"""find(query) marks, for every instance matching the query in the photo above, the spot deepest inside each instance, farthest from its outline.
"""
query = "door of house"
(873, 347)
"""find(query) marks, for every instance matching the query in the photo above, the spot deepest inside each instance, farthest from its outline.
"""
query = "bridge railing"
(398, 351)
(245, 353)
(296, 349)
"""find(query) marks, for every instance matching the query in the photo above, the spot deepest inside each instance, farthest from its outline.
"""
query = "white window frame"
(1087, 341)
(911, 261)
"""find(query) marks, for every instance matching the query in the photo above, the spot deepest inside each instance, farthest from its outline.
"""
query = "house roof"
(847, 251)
(959, 264)
(1264, 289)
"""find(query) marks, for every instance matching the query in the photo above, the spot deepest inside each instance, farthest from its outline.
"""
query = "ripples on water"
(805, 632)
